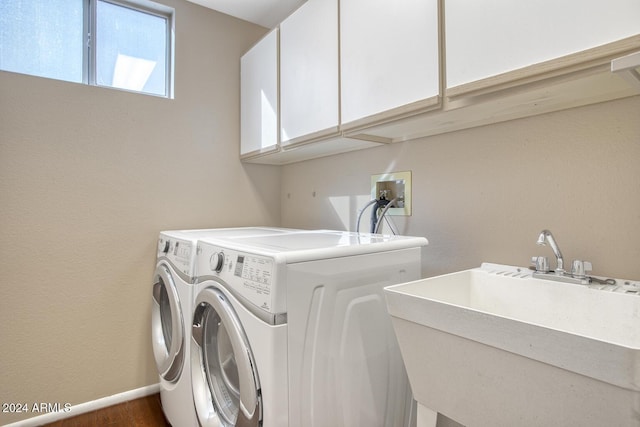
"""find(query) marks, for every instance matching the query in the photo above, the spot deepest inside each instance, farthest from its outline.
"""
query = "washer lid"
(317, 244)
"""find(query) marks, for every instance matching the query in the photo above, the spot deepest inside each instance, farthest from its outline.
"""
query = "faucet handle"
(579, 269)
(541, 263)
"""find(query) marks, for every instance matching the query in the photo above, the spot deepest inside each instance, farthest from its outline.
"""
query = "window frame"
(143, 6)
(89, 43)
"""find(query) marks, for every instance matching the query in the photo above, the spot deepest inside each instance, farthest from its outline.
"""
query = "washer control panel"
(249, 275)
(255, 269)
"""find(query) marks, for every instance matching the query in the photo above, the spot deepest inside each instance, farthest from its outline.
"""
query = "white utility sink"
(493, 346)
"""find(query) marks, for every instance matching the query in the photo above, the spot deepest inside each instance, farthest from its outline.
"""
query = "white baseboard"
(85, 407)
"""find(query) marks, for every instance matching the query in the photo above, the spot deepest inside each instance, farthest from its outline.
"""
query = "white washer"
(171, 310)
(293, 330)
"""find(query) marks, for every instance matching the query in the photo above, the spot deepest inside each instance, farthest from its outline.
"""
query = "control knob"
(541, 263)
(216, 261)
(580, 269)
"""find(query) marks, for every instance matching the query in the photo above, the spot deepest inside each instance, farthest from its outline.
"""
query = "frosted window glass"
(42, 38)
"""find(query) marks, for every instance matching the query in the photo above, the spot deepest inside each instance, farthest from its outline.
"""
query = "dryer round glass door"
(167, 326)
(225, 384)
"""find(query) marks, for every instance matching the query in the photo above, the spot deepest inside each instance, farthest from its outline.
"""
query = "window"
(125, 45)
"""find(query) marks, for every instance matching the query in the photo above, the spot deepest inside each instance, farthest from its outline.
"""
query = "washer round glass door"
(167, 326)
(225, 383)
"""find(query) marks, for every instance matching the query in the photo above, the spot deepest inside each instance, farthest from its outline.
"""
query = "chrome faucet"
(546, 236)
(579, 269)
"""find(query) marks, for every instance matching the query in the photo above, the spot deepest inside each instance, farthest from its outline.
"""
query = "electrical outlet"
(391, 186)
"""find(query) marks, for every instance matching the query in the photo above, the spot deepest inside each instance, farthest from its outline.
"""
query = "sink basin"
(495, 346)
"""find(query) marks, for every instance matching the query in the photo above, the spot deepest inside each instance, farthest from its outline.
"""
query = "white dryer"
(293, 330)
(171, 315)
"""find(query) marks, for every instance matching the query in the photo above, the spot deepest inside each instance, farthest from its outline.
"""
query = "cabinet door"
(389, 55)
(490, 37)
(309, 99)
(259, 96)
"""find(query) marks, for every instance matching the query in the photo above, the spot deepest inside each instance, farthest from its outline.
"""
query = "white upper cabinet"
(309, 87)
(343, 75)
(389, 56)
(486, 38)
(259, 97)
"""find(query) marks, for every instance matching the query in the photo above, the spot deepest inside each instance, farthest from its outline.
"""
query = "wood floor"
(143, 412)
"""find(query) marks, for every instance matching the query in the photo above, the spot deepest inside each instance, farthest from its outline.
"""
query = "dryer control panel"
(248, 275)
(180, 253)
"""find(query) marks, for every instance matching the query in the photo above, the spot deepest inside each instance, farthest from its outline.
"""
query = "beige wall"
(88, 177)
(484, 194)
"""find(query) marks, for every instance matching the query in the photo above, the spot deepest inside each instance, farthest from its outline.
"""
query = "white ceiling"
(267, 13)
